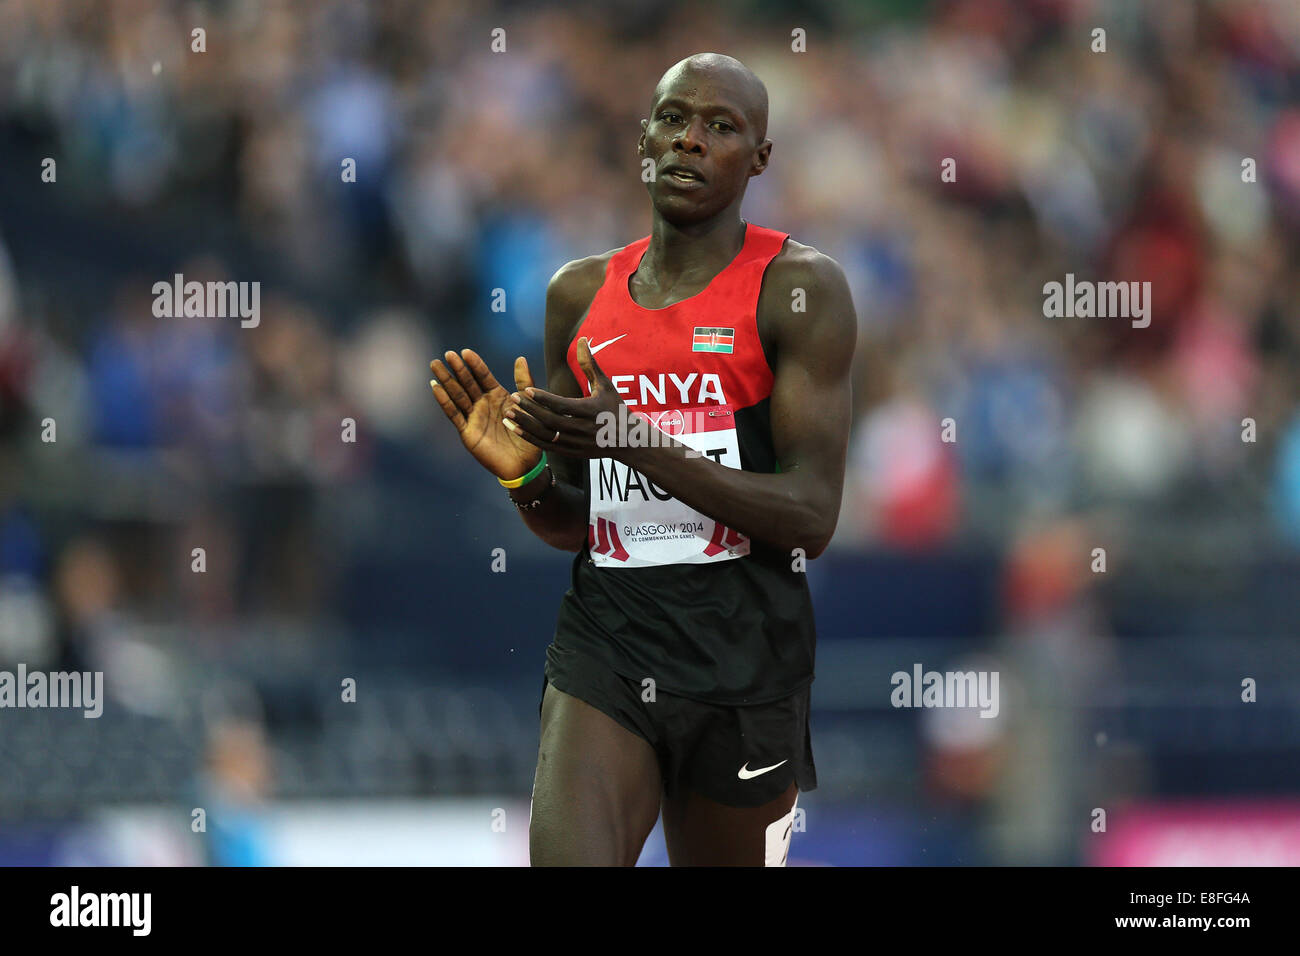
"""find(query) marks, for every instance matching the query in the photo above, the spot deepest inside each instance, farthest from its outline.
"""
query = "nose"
(691, 137)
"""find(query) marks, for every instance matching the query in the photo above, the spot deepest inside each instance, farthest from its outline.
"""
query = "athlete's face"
(702, 138)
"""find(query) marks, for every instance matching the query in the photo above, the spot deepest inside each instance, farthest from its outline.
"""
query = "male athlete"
(693, 469)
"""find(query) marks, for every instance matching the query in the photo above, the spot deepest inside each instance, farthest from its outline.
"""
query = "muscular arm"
(810, 413)
(561, 519)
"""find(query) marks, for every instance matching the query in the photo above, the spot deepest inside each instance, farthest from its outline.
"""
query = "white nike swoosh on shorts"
(745, 773)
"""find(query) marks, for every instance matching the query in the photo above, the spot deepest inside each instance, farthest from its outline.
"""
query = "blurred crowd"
(479, 169)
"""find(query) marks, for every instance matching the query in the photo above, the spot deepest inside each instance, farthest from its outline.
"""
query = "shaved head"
(705, 137)
(727, 73)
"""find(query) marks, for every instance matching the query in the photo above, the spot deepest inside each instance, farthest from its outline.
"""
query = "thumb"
(587, 362)
(523, 377)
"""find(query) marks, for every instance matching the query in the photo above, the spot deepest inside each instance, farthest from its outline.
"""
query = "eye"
(668, 117)
(723, 127)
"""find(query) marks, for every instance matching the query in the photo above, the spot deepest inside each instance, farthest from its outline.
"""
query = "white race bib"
(636, 524)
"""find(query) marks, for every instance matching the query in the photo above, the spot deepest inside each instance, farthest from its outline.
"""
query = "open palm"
(475, 402)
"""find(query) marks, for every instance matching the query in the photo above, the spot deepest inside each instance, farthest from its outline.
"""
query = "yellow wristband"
(517, 482)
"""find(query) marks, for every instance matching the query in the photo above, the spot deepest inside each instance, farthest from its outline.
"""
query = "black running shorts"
(740, 756)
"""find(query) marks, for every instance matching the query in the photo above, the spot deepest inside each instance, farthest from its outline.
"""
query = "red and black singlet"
(660, 590)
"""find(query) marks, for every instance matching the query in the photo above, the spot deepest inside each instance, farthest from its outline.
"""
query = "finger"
(523, 377)
(520, 421)
(574, 433)
(564, 434)
(447, 405)
(464, 376)
(587, 362)
(549, 419)
(448, 381)
(557, 403)
(478, 368)
(542, 443)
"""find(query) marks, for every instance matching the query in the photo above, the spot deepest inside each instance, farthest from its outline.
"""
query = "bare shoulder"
(568, 296)
(574, 285)
(805, 299)
(802, 266)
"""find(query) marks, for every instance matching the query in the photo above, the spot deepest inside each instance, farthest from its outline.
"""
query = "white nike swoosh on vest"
(597, 348)
(745, 773)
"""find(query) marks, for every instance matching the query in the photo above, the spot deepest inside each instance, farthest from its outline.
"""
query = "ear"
(762, 156)
(640, 143)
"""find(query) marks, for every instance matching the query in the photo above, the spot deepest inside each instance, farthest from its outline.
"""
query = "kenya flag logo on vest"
(713, 340)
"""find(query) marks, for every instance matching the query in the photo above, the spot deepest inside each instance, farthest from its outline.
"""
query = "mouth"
(682, 176)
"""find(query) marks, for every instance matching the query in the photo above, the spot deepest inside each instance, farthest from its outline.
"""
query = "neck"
(699, 248)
